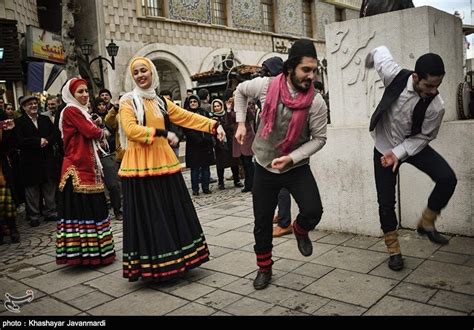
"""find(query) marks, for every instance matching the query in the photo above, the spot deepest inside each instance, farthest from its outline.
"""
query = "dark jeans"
(200, 174)
(266, 187)
(249, 169)
(235, 174)
(428, 161)
(284, 208)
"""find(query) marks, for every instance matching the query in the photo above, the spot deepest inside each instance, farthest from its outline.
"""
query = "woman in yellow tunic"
(162, 234)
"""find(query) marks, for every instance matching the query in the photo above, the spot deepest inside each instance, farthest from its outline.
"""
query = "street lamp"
(112, 50)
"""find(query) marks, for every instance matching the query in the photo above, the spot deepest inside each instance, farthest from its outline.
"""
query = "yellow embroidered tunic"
(147, 155)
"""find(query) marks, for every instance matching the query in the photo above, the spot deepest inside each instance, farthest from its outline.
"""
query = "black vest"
(391, 94)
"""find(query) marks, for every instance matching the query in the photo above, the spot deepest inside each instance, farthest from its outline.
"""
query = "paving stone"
(462, 245)
(454, 258)
(217, 251)
(247, 306)
(44, 306)
(192, 291)
(392, 306)
(231, 239)
(443, 276)
(282, 311)
(287, 264)
(246, 229)
(337, 308)
(452, 300)
(73, 292)
(410, 264)
(413, 292)
(213, 231)
(350, 287)
(16, 288)
(113, 284)
(351, 259)
(361, 242)
(40, 260)
(242, 286)
(289, 250)
(196, 274)
(219, 299)
(313, 270)
(19, 273)
(218, 279)
(229, 222)
(335, 238)
(90, 300)
(62, 279)
(315, 235)
(294, 281)
(238, 263)
(193, 309)
(51, 267)
(145, 301)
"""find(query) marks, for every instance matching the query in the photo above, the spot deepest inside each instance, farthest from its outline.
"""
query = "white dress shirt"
(392, 131)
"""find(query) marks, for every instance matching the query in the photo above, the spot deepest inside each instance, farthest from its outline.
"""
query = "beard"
(299, 84)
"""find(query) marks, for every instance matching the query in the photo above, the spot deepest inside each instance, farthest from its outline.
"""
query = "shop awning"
(211, 84)
(47, 77)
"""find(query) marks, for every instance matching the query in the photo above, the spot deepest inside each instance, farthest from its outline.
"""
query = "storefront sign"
(44, 45)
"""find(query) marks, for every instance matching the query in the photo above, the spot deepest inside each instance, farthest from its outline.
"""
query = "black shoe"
(221, 186)
(304, 245)
(238, 184)
(433, 235)
(246, 190)
(195, 193)
(395, 262)
(207, 191)
(262, 280)
(212, 180)
(51, 218)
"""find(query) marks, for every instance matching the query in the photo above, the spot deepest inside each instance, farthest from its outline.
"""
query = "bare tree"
(68, 7)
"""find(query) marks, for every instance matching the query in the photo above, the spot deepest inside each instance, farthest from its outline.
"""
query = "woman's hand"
(220, 133)
(281, 162)
(172, 138)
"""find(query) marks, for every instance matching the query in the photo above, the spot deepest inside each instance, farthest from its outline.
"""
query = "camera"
(94, 116)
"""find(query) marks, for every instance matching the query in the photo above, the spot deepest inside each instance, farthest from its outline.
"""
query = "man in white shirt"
(407, 118)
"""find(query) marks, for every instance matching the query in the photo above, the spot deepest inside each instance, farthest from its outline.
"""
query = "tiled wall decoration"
(190, 10)
(290, 17)
(247, 14)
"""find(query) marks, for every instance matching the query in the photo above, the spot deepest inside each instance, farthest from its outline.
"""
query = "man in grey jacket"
(292, 128)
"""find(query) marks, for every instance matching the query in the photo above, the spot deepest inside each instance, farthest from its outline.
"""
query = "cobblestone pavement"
(346, 275)
(38, 240)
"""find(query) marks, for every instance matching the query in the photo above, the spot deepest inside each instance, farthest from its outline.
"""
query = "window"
(267, 11)
(307, 18)
(340, 14)
(152, 8)
(218, 12)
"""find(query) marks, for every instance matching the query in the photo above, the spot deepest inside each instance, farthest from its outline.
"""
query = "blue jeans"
(200, 174)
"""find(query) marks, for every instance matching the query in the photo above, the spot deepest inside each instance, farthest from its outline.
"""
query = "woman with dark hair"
(84, 234)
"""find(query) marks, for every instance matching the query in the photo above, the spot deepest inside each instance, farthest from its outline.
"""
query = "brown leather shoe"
(279, 231)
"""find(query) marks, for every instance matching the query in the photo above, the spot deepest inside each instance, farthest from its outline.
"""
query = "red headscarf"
(75, 82)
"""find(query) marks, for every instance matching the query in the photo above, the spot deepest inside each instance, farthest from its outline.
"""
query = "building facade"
(184, 37)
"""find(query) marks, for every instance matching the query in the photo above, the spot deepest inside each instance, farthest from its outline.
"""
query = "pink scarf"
(278, 91)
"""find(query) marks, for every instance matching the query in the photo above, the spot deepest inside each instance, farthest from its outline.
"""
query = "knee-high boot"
(393, 246)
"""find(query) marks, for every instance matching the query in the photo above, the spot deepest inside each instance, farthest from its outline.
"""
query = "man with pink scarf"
(292, 128)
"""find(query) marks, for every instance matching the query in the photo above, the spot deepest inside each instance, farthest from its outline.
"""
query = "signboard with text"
(45, 45)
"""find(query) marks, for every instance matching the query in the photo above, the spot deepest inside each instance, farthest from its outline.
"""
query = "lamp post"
(112, 50)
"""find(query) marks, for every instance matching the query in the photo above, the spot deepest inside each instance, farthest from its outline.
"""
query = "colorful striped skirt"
(7, 204)
(84, 235)
(162, 236)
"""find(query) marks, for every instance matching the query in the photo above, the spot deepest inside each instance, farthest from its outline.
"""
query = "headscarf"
(218, 114)
(138, 94)
(68, 97)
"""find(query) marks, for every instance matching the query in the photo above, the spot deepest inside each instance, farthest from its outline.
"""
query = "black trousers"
(428, 161)
(266, 187)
